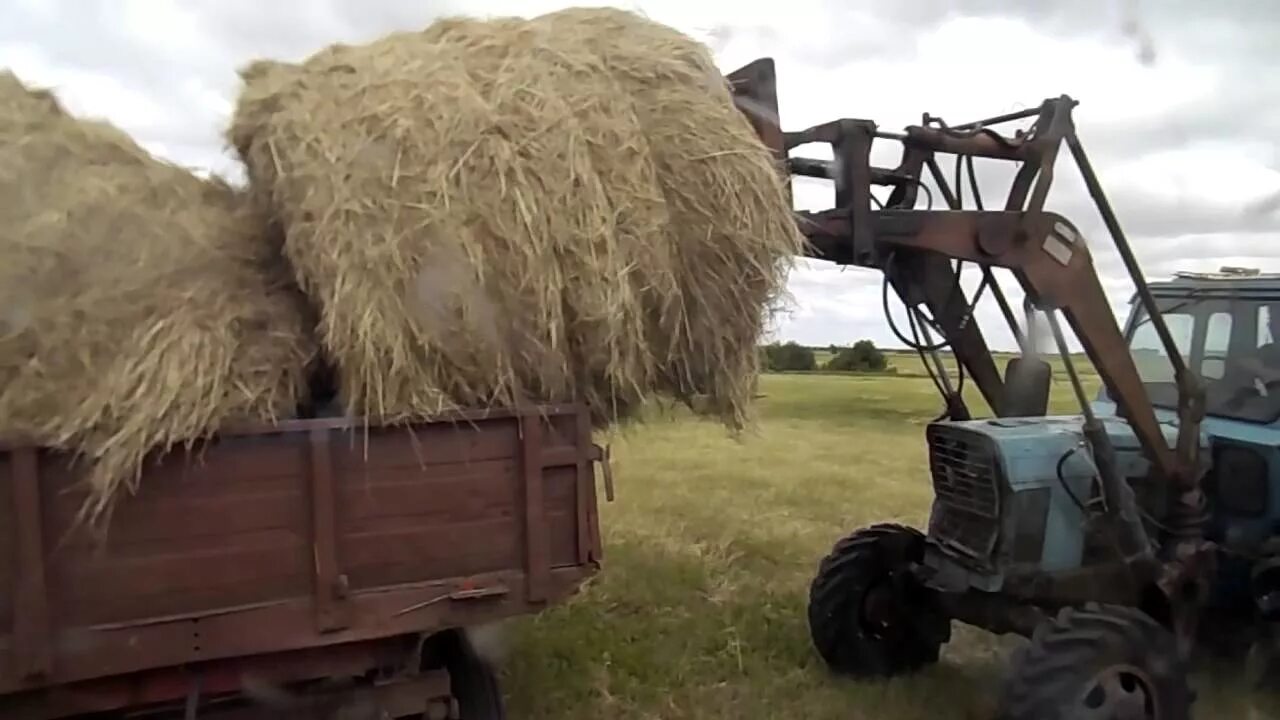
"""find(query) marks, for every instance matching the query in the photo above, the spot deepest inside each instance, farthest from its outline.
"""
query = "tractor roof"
(1227, 282)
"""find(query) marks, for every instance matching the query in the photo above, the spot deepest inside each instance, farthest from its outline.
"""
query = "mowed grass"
(699, 611)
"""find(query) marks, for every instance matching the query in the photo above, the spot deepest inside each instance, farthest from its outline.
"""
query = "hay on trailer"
(141, 307)
(499, 212)
(729, 213)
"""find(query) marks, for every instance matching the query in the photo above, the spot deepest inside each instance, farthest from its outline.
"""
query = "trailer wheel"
(473, 681)
(868, 614)
(1101, 662)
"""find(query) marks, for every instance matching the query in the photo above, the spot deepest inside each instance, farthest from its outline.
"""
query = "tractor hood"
(1009, 493)
(1031, 448)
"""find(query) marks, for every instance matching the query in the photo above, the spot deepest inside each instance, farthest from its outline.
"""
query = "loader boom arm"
(1061, 278)
(914, 247)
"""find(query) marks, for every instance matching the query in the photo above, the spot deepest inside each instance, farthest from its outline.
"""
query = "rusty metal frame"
(536, 540)
(114, 654)
(32, 631)
(590, 546)
(755, 88)
(405, 696)
(1021, 238)
(355, 424)
(333, 611)
(402, 690)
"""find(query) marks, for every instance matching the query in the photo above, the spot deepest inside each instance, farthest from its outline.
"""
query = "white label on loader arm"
(1057, 249)
(1066, 233)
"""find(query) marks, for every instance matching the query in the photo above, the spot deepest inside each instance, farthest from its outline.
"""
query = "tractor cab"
(1226, 325)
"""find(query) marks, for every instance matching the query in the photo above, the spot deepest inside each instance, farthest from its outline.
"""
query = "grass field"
(709, 549)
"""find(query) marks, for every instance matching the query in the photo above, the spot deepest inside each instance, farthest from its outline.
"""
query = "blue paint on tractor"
(1239, 531)
(1045, 478)
(1009, 491)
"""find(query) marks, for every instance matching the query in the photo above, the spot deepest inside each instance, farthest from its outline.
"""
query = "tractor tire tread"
(847, 572)
(1069, 648)
(871, 535)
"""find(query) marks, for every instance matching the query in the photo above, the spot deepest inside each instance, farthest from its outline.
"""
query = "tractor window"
(1230, 342)
(1264, 326)
(1149, 353)
(1217, 342)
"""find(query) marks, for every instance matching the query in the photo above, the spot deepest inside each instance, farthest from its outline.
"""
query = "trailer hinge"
(604, 456)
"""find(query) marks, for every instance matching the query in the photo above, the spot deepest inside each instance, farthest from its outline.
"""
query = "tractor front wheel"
(1099, 662)
(868, 614)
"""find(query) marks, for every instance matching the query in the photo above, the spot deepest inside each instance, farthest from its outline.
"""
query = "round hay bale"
(509, 211)
(140, 306)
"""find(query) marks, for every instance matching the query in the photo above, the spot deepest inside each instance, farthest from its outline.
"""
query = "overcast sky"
(1180, 99)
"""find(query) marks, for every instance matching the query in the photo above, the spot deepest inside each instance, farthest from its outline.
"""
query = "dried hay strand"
(141, 307)
(484, 216)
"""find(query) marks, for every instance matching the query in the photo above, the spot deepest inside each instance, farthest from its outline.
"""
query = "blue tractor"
(1113, 537)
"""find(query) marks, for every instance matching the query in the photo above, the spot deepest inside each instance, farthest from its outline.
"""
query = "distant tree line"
(862, 356)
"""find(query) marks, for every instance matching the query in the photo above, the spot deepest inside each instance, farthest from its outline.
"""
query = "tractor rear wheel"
(868, 614)
(1099, 662)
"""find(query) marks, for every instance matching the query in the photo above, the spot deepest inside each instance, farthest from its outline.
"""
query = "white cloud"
(1010, 56)
(85, 92)
(1184, 145)
(165, 27)
(1215, 172)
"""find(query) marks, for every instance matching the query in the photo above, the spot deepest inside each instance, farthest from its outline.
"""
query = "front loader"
(1092, 534)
